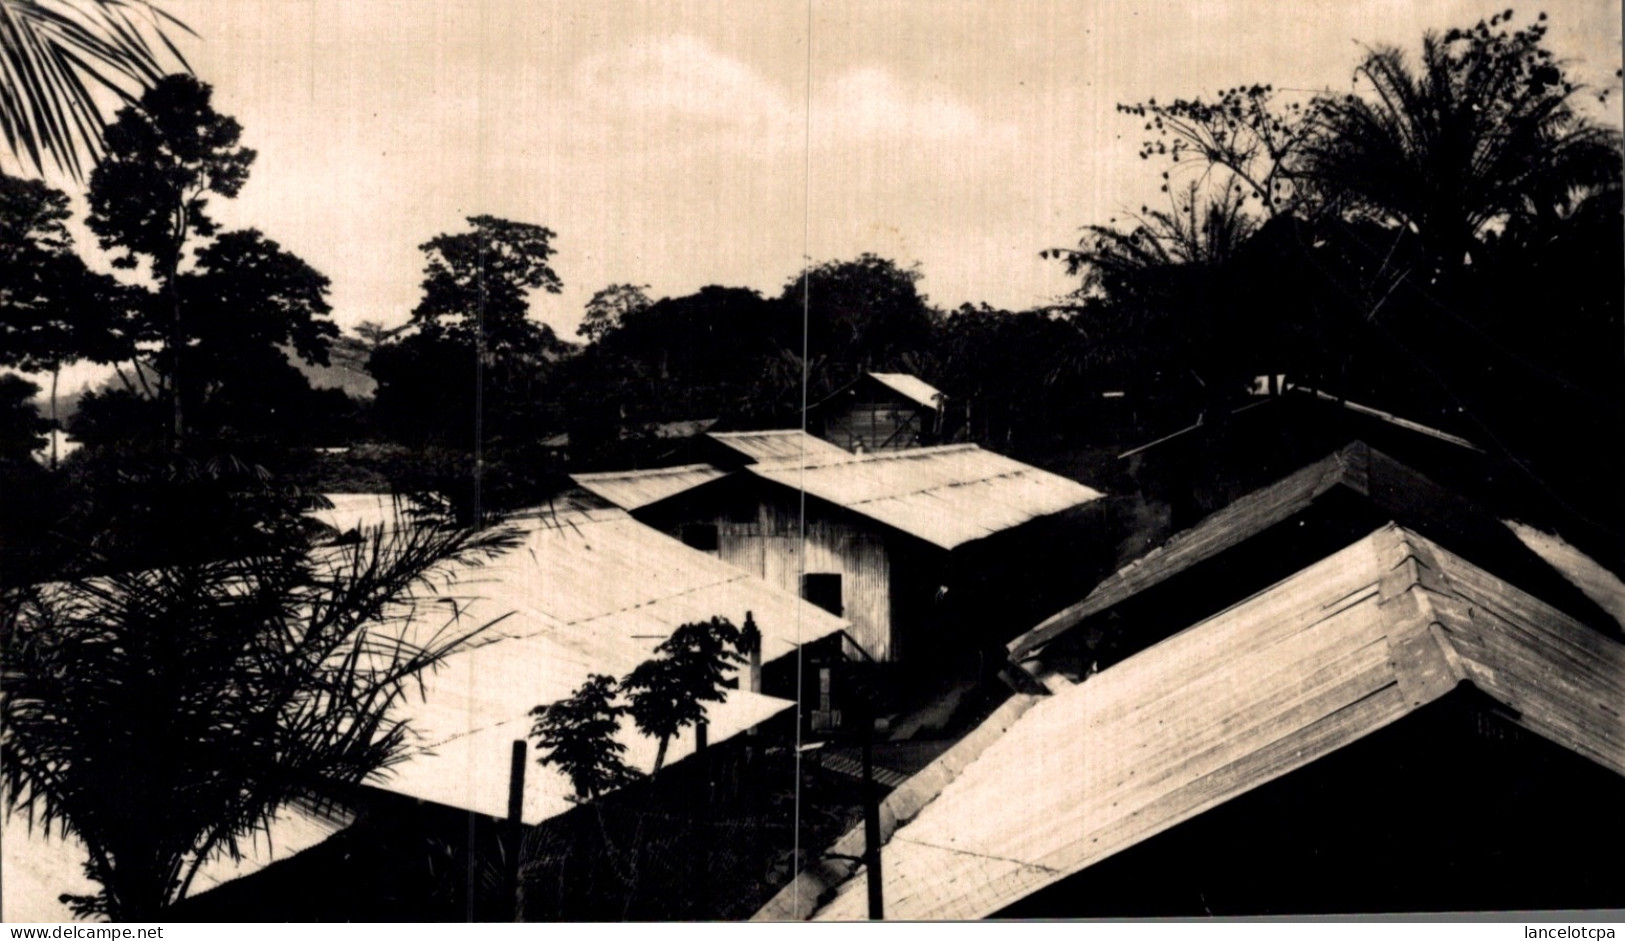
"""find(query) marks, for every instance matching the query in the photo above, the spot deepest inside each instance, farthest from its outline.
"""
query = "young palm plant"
(164, 716)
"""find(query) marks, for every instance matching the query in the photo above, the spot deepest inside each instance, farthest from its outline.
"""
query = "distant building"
(880, 411)
(925, 551)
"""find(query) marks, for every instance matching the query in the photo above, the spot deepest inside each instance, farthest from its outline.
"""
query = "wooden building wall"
(758, 530)
(878, 422)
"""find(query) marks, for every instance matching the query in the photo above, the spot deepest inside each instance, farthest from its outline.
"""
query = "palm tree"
(1482, 132)
(165, 715)
(58, 61)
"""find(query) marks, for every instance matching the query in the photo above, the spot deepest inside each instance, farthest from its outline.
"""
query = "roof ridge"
(1426, 664)
(873, 456)
(643, 472)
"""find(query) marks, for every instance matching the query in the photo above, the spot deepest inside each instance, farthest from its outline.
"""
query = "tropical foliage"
(63, 57)
(164, 716)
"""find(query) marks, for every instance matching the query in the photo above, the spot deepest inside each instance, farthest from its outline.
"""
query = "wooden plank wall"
(876, 424)
(771, 548)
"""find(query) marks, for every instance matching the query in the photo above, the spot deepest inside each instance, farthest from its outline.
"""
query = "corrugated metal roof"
(946, 495)
(911, 387)
(1294, 673)
(587, 592)
(362, 511)
(631, 490)
(791, 444)
(1405, 495)
(39, 867)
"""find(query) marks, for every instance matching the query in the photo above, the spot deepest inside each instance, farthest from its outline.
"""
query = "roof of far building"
(1347, 646)
(911, 387)
(790, 444)
(1389, 487)
(631, 490)
(947, 495)
(587, 592)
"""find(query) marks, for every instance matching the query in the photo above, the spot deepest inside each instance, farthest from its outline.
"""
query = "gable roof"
(911, 387)
(1405, 495)
(791, 444)
(588, 591)
(1345, 647)
(1303, 395)
(947, 495)
(631, 490)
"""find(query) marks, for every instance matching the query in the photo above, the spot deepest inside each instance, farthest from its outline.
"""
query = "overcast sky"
(679, 144)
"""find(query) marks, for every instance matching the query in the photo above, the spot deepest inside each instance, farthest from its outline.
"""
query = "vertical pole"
(479, 388)
(515, 826)
(871, 823)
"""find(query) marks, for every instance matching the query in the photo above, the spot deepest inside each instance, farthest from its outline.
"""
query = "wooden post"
(871, 822)
(515, 830)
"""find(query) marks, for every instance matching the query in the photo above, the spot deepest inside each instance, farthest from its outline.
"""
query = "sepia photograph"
(477, 461)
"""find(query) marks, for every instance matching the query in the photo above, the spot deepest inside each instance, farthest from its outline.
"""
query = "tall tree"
(53, 309)
(164, 715)
(609, 308)
(149, 198)
(861, 314)
(471, 376)
(59, 54)
(1482, 131)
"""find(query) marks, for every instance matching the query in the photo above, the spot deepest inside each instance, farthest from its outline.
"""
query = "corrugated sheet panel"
(630, 490)
(1294, 673)
(946, 495)
(587, 592)
(911, 387)
(39, 867)
(778, 446)
(1235, 523)
(362, 511)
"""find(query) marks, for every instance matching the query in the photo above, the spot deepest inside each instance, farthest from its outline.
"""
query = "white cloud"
(869, 103)
(678, 76)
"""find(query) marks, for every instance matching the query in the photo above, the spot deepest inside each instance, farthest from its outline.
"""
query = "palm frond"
(60, 61)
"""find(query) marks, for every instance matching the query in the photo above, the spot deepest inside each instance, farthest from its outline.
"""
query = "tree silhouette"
(164, 715)
(609, 307)
(669, 692)
(53, 309)
(1480, 132)
(577, 734)
(149, 198)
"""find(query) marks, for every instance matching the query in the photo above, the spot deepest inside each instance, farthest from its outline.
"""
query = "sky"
(677, 144)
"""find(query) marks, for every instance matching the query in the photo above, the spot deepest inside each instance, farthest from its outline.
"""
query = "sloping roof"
(631, 490)
(946, 495)
(588, 591)
(910, 387)
(1295, 394)
(1302, 669)
(362, 511)
(39, 867)
(1409, 497)
(791, 444)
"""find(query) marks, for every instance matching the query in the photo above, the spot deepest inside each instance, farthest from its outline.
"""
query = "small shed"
(880, 411)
